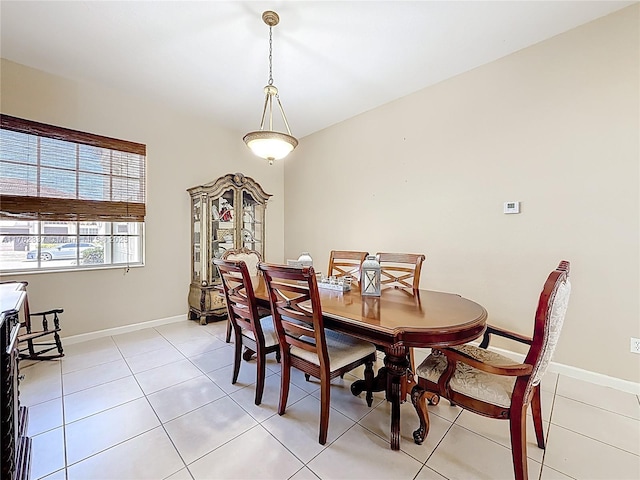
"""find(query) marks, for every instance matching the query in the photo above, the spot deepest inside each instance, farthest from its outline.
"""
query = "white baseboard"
(580, 374)
(83, 337)
(597, 378)
(567, 370)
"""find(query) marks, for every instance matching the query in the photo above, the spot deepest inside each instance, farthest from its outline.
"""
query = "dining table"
(396, 321)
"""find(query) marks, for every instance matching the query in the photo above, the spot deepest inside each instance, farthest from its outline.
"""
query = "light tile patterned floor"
(159, 404)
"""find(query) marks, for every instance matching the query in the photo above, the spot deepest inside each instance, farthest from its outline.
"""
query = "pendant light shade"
(269, 144)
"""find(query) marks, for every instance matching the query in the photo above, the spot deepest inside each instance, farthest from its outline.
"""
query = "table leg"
(392, 379)
(396, 364)
(379, 383)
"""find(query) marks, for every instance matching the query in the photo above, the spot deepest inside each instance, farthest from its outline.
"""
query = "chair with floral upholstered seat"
(490, 384)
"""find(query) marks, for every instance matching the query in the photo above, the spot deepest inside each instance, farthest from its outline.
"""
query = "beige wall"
(182, 151)
(555, 126)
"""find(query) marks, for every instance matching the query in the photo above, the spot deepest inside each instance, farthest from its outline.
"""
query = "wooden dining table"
(398, 320)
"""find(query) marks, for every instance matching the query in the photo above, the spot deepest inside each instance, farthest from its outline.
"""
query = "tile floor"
(158, 404)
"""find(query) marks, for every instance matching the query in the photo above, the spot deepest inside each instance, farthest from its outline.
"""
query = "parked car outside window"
(57, 252)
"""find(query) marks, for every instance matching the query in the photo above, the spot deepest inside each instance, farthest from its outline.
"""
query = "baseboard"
(580, 374)
(597, 378)
(83, 337)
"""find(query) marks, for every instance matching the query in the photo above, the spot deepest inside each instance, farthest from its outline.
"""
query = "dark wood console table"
(15, 446)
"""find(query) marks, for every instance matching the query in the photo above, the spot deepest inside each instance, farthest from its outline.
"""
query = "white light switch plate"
(511, 207)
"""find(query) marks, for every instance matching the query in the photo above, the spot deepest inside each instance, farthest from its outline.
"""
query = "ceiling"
(331, 59)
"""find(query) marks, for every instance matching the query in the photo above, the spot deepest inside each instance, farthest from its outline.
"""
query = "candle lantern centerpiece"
(370, 276)
(305, 260)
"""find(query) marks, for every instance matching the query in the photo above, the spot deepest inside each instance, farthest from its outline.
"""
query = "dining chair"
(344, 263)
(252, 258)
(36, 341)
(305, 343)
(256, 333)
(402, 271)
(490, 384)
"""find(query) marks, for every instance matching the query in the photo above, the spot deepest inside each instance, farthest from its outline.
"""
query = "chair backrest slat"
(296, 310)
(400, 270)
(346, 263)
(239, 296)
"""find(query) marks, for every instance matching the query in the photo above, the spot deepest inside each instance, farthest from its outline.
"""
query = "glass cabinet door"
(196, 268)
(252, 229)
(223, 232)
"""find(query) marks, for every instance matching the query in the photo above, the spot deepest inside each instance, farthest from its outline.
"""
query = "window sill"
(7, 273)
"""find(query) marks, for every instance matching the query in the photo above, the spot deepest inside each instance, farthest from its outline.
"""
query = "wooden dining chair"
(256, 333)
(305, 343)
(252, 258)
(400, 270)
(492, 385)
(344, 263)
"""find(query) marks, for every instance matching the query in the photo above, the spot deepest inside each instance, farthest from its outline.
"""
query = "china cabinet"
(228, 213)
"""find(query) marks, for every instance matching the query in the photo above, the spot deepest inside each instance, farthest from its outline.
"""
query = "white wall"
(555, 126)
(182, 151)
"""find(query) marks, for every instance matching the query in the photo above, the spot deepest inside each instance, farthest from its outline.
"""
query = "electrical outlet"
(635, 345)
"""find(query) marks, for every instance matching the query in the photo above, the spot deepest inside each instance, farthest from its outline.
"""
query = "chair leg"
(56, 338)
(228, 338)
(325, 398)
(412, 361)
(536, 412)
(432, 398)
(261, 361)
(236, 358)
(32, 350)
(518, 428)
(285, 375)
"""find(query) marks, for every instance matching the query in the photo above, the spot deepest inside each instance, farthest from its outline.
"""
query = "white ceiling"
(331, 59)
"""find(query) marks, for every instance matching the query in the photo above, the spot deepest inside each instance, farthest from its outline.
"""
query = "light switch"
(511, 207)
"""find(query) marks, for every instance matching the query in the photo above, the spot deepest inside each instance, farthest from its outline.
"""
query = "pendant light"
(269, 144)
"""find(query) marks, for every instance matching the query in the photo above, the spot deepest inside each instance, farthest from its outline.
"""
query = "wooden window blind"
(53, 173)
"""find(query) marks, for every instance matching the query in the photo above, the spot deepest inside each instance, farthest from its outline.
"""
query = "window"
(68, 199)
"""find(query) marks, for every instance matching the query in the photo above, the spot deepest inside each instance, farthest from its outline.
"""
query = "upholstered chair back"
(250, 257)
(550, 314)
